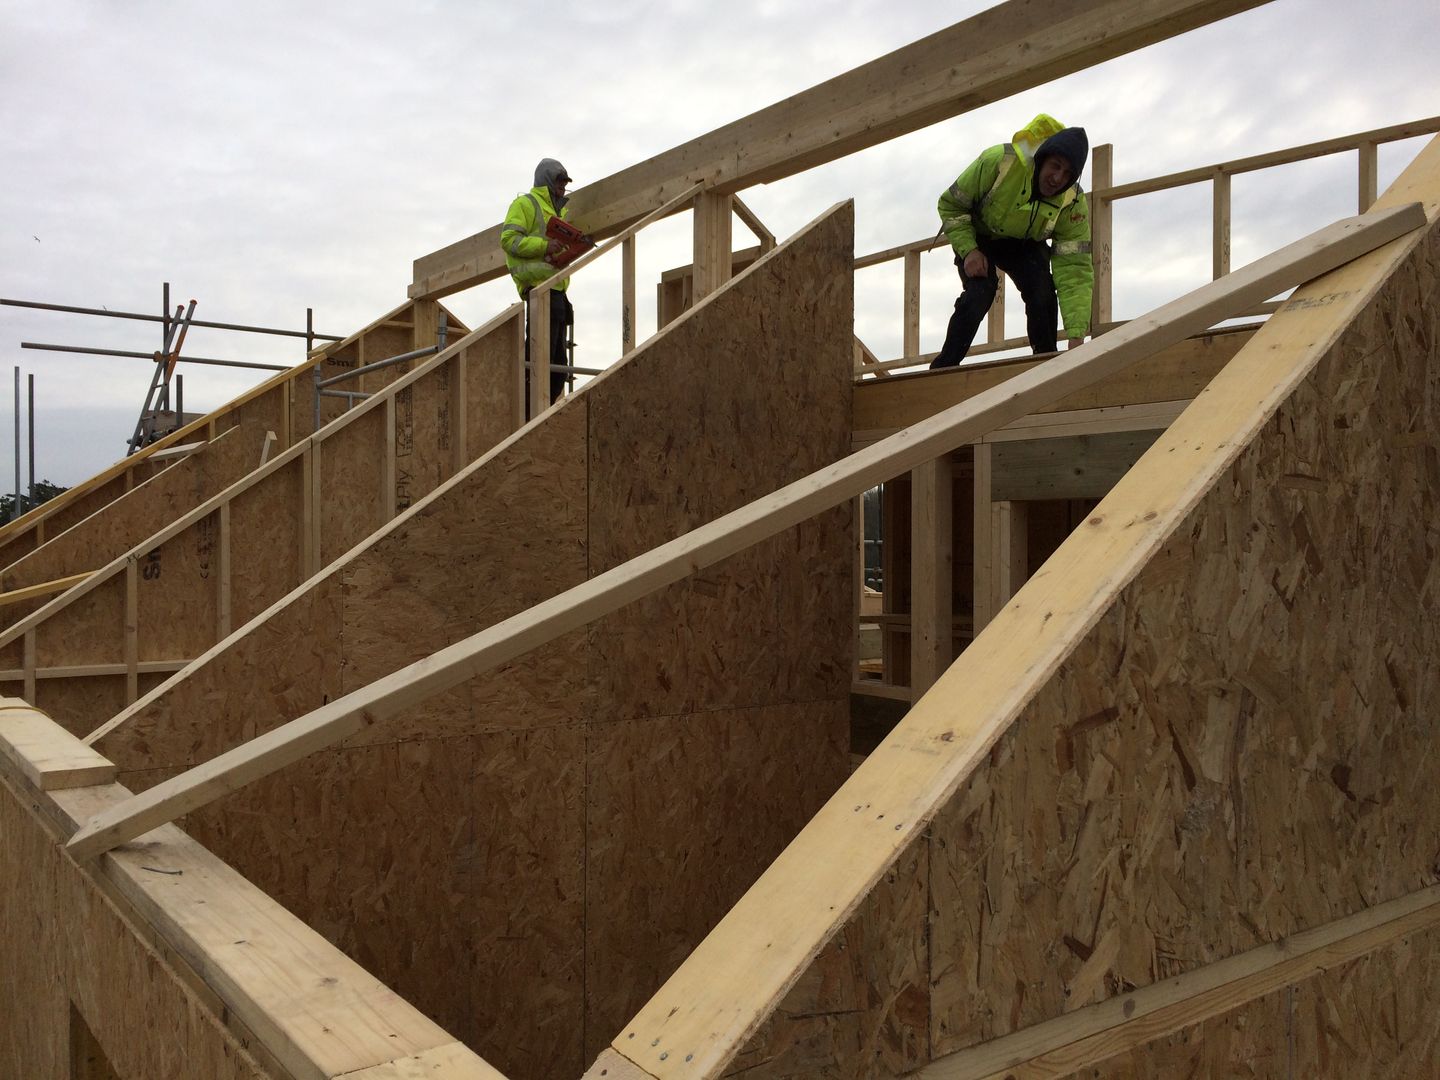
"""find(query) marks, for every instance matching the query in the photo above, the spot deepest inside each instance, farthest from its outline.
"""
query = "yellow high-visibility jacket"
(523, 240)
(996, 196)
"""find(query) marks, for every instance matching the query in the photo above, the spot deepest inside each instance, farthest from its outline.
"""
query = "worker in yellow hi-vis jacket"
(527, 251)
(1019, 208)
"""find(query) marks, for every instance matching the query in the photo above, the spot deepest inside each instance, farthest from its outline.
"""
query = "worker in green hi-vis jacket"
(1019, 208)
(527, 253)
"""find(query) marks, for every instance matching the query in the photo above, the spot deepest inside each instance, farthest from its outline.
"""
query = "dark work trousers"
(562, 317)
(1027, 264)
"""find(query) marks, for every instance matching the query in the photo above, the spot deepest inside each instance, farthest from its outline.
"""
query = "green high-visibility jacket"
(996, 196)
(523, 240)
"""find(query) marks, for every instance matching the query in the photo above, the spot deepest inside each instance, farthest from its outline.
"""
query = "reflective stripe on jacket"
(995, 196)
(522, 238)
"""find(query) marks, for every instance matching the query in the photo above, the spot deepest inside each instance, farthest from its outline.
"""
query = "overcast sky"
(264, 158)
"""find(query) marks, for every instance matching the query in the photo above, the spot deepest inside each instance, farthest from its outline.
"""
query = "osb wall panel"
(738, 376)
(352, 503)
(177, 595)
(266, 542)
(677, 833)
(491, 378)
(1370, 1019)
(509, 536)
(128, 520)
(67, 946)
(1236, 751)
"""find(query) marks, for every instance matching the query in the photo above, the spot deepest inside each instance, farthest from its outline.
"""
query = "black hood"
(1070, 143)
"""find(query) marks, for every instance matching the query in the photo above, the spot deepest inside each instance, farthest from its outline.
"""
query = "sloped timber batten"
(735, 980)
(556, 754)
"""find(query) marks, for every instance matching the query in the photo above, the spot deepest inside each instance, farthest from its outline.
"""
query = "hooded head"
(551, 174)
(1070, 145)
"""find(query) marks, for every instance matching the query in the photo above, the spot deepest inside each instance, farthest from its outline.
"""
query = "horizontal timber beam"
(1012, 47)
(738, 530)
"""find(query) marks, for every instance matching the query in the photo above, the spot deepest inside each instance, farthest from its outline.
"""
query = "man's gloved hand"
(976, 265)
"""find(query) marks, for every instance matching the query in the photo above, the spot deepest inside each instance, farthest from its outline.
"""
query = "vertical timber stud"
(995, 327)
(425, 330)
(387, 471)
(539, 351)
(712, 243)
(1220, 247)
(931, 567)
(627, 295)
(912, 304)
(28, 663)
(984, 555)
(132, 632)
(1009, 551)
(223, 617)
(1102, 178)
(857, 590)
(1369, 175)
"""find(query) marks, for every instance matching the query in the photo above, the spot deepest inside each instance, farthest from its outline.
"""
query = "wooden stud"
(983, 547)
(223, 585)
(736, 531)
(911, 335)
(995, 320)
(1220, 225)
(132, 632)
(627, 296)
(309, 507)
(1369, 173)
(388, 497)
(1008, 551)
(1102, 210)
(857, 586)
(28, 668)
(425, 329)
(85, 671)
(931, 569)
(713, 213)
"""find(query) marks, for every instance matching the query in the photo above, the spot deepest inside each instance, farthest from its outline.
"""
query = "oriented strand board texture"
(548, 836)
(1240, 749)
(1370, 1019)
(65, 947)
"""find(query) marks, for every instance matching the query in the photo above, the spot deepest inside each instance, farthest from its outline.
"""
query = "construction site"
(763, 707)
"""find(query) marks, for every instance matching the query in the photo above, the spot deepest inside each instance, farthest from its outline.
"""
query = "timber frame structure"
(467, 738)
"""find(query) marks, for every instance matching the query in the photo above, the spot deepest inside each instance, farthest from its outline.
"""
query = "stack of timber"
(177, 564)
(555, 836)
(1173, 812)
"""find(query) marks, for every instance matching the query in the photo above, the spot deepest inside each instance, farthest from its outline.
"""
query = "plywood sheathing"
(1238, 749)
(65, 948)
(482, 833)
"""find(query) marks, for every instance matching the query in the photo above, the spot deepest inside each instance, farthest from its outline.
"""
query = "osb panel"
(88, 631)
(64, 942)
(460, 856)
(378, 344)
(490, 386)
(1237, 751)
(352, 503)
(1370, 1019)
(177, 593)
(862, 1009)
(282, 669)
(505, 538)
(80, 705)
(423, 451)
(266, 543)
(684, 814)
(675, 444)
(130, 519)
(266, 412)
(57, 521)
